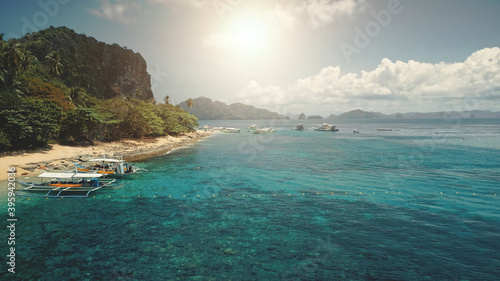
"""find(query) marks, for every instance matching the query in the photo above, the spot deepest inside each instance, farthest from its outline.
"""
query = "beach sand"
(60, 157)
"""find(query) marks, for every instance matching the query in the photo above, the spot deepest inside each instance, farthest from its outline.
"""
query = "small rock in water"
(228, 252)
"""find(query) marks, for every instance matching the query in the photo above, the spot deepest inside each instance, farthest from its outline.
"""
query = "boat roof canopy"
(106, 160)
(69, 175)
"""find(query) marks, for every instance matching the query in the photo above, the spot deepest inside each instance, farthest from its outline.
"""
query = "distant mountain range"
(360, 114)
(206, 109)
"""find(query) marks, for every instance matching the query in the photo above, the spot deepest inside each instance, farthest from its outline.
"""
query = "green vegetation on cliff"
(59, 86)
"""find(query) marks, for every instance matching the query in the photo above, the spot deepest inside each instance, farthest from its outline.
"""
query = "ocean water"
(419, 202)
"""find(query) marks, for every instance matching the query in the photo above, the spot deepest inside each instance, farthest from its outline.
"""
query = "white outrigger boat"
(327, 128)
(65, 185)
(108, 166)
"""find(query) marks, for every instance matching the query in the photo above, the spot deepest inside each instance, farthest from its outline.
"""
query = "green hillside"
(60, 86)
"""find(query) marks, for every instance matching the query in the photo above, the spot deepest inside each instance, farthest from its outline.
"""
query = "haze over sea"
(415, 203)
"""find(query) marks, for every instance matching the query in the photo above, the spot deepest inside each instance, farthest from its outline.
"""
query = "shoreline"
(61, 157)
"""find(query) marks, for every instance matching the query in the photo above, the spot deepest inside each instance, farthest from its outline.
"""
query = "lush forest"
(57, 86)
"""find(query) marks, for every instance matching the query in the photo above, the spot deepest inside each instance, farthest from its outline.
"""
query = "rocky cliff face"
(103, 70)
(126, 74)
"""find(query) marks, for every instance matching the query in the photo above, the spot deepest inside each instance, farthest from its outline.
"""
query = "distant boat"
(299, 127)
(253, 127)
(356, 131)
(383, 129)
(327, 128)
(264, 131)
(231, 130)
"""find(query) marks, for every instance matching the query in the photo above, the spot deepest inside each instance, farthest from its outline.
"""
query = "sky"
(294, 56)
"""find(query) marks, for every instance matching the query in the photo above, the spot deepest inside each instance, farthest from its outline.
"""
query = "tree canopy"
(41, 101)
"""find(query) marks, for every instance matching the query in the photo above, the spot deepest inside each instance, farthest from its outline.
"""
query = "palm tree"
(189, 103)
(3, 77)
(14, 60)
(75, 94)
(54, 63)
(167, 99)
(12, 57)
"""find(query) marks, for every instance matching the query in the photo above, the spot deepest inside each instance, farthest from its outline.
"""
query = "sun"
(249, 36)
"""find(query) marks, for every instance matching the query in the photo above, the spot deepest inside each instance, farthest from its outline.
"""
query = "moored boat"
(327, 128)
(231, 130)
(264, 131)
(299, 127)
(108, 166)
(66, 185)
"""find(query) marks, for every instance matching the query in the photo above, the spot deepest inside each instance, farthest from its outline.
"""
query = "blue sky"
(312, 56)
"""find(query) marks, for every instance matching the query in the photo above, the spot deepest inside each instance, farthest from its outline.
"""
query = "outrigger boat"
(299, 127)
(66, 185)
(108, 166)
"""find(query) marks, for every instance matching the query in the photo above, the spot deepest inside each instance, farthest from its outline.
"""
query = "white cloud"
(315, 13)
(119, 10)
(191, 3)
(392, 86)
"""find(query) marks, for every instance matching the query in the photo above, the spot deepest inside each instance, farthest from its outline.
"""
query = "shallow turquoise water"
(414, 204)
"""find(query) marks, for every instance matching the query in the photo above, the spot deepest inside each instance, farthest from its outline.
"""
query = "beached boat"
(299, 127)
(65, 185)
(264, 131)
(108, 166)
(327, 128)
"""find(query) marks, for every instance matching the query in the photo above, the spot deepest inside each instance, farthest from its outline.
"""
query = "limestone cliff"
(103, 70)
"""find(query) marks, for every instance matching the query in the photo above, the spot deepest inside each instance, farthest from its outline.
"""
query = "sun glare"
(249, 37)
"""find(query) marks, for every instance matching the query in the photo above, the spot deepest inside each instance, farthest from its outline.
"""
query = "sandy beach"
(60, 157)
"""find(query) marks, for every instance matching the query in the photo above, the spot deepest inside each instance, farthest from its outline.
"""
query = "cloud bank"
(315, 13)
(390, 87)
(121, 10)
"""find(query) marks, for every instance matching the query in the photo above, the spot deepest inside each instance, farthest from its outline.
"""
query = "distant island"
(206, 109)
(360, 114)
